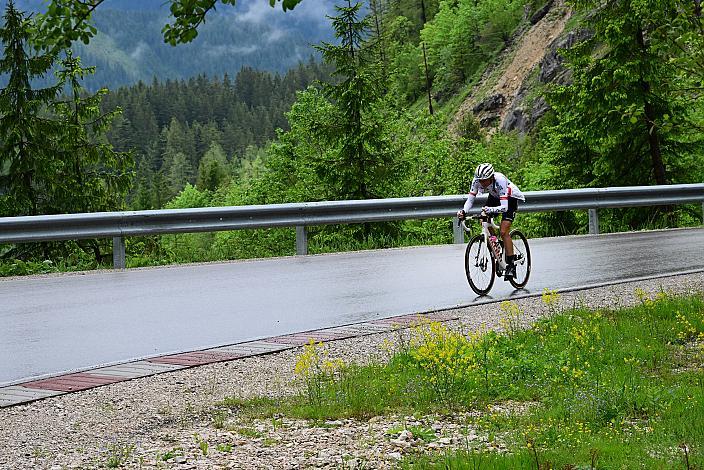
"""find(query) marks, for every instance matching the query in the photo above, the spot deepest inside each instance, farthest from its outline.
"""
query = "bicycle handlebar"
(488, 218)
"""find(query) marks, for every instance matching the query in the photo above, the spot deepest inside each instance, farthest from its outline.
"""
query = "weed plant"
(609, 388)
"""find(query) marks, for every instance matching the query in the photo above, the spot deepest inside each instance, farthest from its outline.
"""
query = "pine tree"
(94, 177)
(27, 164)
(179, 172)
(361, 159)
(214, 169)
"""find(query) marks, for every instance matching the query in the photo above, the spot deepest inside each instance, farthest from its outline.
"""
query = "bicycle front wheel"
(522, 252)
(479, 266)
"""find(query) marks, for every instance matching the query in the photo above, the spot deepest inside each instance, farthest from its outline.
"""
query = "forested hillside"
(421, 92)
(203, 130)
(129, 46)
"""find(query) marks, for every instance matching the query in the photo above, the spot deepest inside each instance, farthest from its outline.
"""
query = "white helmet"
(484, 171)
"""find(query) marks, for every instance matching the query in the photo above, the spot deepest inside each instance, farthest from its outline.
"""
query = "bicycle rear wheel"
(522, 252)
(479, 266)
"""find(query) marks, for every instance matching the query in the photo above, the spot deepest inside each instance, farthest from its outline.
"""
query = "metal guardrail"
(301, 215)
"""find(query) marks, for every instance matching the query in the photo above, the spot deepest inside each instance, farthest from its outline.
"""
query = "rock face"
(552, 70)
(540, 14)
(515, 120)
(492, 103)
(490, 120)
(551, 67)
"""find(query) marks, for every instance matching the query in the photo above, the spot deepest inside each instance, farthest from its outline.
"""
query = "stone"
(551, 68)
(491, 103)
(394, 455)
(540, 14)
(400, 443)
(515, 120)
(489, 120)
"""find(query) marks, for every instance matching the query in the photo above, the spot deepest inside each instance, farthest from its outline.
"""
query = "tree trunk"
(377, 11)
(651, 127)
(427, 82)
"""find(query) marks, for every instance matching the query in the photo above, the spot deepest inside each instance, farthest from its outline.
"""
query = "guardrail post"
(593, 222)
(118, 253)
(301, 240)
(457, 231)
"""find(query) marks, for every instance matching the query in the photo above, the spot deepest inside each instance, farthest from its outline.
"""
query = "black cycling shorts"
(512, 206)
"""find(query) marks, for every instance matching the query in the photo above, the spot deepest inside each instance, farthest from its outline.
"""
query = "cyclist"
(503, 198)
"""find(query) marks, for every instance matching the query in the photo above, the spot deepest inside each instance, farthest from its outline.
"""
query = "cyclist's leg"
(506, 237)
(506, 222)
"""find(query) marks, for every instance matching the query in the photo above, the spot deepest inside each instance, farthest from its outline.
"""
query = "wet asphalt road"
(61, 323)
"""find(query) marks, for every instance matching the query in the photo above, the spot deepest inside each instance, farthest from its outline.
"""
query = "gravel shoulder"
(163, 421)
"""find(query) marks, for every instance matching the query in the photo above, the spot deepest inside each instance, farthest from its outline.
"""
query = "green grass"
(608, 388)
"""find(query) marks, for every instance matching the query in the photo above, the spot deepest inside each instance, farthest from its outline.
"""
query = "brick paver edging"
(74, 382)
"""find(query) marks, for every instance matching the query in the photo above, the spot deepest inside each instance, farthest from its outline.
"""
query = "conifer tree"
(26, 143)
(179, 171)
(361, 158)
(214, 169)
(93, 176)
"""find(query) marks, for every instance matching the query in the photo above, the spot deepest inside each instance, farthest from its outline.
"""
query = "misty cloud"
(139, 51)
(259, 11)
(221, 50)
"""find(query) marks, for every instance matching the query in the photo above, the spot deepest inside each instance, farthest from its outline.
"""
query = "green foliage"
(190, 197)
(52, 157)
(465, 35)
(358, 164)
(64, 258)
(625, 118)
(26, 161)
(166, 121)
(66, 21)
(93, 176)
(119, 454)
(625, 384)
(214, 169)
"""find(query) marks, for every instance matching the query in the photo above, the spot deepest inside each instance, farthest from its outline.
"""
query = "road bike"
(484, 257)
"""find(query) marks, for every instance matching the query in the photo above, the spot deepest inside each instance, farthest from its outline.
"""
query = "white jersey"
(502, 189)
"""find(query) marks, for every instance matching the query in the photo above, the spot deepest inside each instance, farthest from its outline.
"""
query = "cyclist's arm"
(504, 191)
(498, 209)
(473, 190)
(469, 202)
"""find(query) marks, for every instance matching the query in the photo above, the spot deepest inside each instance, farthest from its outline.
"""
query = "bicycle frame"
(482, 268)
(486, 233)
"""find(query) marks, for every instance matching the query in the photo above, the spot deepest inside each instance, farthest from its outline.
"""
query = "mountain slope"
(129, 46)
(494, 99)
